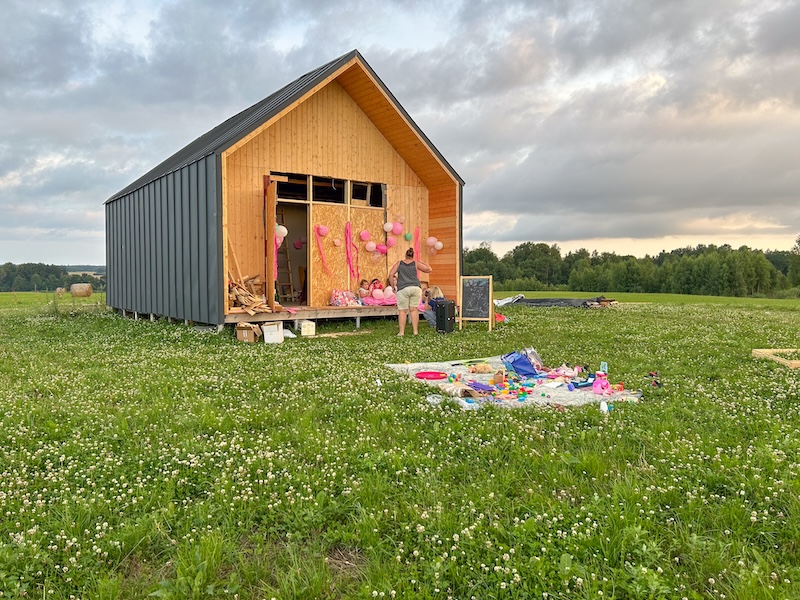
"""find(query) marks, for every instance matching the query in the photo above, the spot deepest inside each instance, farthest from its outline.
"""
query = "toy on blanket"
(480, 368)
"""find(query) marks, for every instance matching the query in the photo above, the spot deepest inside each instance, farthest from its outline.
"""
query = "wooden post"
(270, 201)
(270, 204)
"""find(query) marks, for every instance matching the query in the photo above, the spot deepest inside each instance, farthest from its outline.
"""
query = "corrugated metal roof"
(229, 132)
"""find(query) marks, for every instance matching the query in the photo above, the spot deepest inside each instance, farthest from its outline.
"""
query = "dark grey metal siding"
(164, 246)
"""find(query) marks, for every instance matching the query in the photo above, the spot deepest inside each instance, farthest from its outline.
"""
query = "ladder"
(284, 284)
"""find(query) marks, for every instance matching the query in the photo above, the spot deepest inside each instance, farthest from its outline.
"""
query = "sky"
(626, 126)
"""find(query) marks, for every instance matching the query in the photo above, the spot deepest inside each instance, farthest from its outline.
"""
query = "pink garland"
(348, 248)
(416, 247)
(321, 251)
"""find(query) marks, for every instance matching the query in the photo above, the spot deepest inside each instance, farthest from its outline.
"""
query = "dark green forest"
(706, 270)
(33, 277)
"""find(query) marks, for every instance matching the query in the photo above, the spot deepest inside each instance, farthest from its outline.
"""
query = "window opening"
(328, 190)
(294, 189)
(368, 194)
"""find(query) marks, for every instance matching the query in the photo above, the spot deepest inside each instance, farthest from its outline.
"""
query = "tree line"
(32, 277)
(706, 270)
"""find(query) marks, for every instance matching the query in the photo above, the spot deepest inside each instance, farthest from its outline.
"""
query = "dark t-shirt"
(433, 301)
(407, 275)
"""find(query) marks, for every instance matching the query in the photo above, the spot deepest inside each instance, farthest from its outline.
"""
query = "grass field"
(141, 458)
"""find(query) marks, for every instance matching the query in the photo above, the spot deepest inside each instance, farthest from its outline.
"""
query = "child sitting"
(363, 290)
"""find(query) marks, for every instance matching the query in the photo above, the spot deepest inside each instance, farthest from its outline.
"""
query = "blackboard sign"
(477, 299)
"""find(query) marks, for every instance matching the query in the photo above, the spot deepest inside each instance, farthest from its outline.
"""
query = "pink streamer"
(348, 248)
(416, 247)
(321, 251)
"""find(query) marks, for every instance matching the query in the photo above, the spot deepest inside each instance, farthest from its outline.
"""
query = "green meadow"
(155, 459)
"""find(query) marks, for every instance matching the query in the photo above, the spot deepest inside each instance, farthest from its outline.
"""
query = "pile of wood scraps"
(245, 298)
(246, 294)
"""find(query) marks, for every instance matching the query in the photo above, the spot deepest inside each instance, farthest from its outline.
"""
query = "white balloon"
(438, 245)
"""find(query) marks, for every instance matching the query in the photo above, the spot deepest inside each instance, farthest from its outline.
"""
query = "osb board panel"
(369, 266)
(334, 217)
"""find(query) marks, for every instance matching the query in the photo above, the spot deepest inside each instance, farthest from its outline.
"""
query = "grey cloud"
(663, 114)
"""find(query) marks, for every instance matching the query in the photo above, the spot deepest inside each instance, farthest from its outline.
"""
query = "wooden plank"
(235, 271)
(772, 354)
(315, 313)
(271, 200)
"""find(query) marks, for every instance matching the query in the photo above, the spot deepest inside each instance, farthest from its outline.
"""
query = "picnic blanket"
(542, 391)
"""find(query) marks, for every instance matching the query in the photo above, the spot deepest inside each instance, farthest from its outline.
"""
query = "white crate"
(273, 332)
(308, 328)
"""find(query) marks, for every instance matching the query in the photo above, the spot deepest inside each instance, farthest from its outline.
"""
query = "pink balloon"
(298, 245)
(432, 240)
(337, 242)
(377, 294)
(438, 245)
(370, 246)
(364, 236)
(322, 230)
(387, 227)
(382, 248)
(397, 228)
(279, 239)
(388, 293)
(390, 242)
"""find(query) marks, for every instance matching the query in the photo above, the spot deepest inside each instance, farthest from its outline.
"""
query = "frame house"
(333, 158)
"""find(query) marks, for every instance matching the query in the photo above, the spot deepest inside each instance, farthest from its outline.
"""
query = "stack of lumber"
(246, 293)
(246, 300)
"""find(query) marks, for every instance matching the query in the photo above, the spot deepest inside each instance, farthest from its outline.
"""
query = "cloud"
(662, 119)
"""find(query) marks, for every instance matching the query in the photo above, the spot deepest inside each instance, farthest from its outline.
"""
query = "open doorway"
(291, 283)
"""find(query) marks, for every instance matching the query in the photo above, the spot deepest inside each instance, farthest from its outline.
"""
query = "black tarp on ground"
(566, 302)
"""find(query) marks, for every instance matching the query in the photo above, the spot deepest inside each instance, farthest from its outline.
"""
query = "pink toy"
(601, 385)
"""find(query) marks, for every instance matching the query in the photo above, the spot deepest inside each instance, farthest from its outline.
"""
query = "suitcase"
(445, 316)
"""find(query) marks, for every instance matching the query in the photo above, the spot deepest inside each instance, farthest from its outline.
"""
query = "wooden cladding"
(328, 135)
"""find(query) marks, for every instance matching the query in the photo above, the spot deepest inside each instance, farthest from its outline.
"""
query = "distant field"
(29, 301)
(144, 458)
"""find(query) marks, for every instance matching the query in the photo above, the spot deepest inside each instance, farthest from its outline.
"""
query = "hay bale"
(60, 291)
(80, 290)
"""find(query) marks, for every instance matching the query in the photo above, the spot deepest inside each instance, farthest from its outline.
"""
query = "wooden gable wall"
(328, 135)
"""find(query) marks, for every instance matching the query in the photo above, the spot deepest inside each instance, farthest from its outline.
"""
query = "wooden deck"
(312, 313)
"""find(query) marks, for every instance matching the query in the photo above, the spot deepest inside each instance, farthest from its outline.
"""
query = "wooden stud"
(772, 355)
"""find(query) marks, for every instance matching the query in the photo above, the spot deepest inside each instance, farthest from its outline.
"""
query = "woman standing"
(409, 292)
